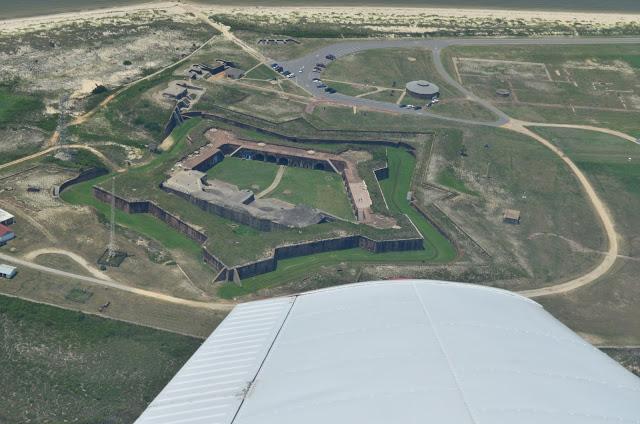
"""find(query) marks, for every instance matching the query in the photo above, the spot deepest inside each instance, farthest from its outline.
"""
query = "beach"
(282, 12)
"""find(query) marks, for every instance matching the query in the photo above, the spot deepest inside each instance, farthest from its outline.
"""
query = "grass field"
(63, 366)
(437, 247)
(607, 312)
(389, 68)
(319, 189)
(573, 84)
(349, 89)
(503, 170)
(390, 96)
(246, 174)
(234, 244)
(262, 72)
(265, 105)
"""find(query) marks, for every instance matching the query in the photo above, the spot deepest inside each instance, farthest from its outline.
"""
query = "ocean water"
(21, 8)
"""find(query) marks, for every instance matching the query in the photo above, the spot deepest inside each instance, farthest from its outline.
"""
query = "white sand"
(174, 7)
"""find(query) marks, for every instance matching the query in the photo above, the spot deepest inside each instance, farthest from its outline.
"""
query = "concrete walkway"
(274, 184)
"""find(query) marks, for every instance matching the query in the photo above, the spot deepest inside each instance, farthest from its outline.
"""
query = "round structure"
(423, 89)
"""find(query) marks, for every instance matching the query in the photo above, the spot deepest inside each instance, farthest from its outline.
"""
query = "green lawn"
(63, 366)
(401, 167)
(391, 68)
(246, 174)
(437, 247)
(262, 72)
(390, 96)
(319, 189)
(448, 178)
(349, 89)
(82, 194)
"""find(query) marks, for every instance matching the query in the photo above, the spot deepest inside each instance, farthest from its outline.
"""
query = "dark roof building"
(422, 89)
(511, 216)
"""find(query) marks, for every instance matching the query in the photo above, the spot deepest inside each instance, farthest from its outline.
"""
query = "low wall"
(325, 245)
(241, 216)
(87, 175)
(145, 206)
(236, 123)
(261, 266)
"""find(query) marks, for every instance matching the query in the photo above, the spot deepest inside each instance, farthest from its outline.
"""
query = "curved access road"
(308, 62)
(31, 256)
(305, 79)
(48, 150)
(615, 133)
(108, 283)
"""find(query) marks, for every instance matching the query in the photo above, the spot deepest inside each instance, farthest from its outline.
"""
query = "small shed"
(7, 271)
(6, 218)
(6, 234)
(511, 216)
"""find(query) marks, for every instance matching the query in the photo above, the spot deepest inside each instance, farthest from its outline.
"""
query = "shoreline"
(16, 24)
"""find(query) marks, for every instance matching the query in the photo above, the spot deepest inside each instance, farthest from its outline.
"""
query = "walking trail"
(108, 283)
(274, 184)
(599, 207)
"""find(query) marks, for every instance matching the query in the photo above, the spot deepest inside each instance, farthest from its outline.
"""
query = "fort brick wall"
(87, 175)
(225, 273)
(237, 215)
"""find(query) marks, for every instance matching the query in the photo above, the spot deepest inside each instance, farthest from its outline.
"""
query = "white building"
(7, 271)
(6, 218)
(397, 352)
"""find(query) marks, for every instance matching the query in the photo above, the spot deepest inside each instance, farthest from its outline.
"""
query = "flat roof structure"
(7, 271)
(407, 351)
(6, 217)
(422, 88)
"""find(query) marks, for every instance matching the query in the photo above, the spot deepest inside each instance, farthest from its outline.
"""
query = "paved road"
(304, 79)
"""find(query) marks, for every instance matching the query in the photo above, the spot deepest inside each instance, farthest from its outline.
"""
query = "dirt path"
(599, 207)
(587, 128)
(216, 306)
(48, 150)
(31, 220)
(71, 255)
(274, 184)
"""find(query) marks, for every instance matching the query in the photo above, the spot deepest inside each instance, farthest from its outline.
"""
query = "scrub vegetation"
(65, 366)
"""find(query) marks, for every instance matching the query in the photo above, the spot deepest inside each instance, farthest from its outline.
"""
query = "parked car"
(321, 85)
(316, 80)
(330, 90)
(417, 107)
(330, 57)
(286, 73)
(274, 65)
(320, 65)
